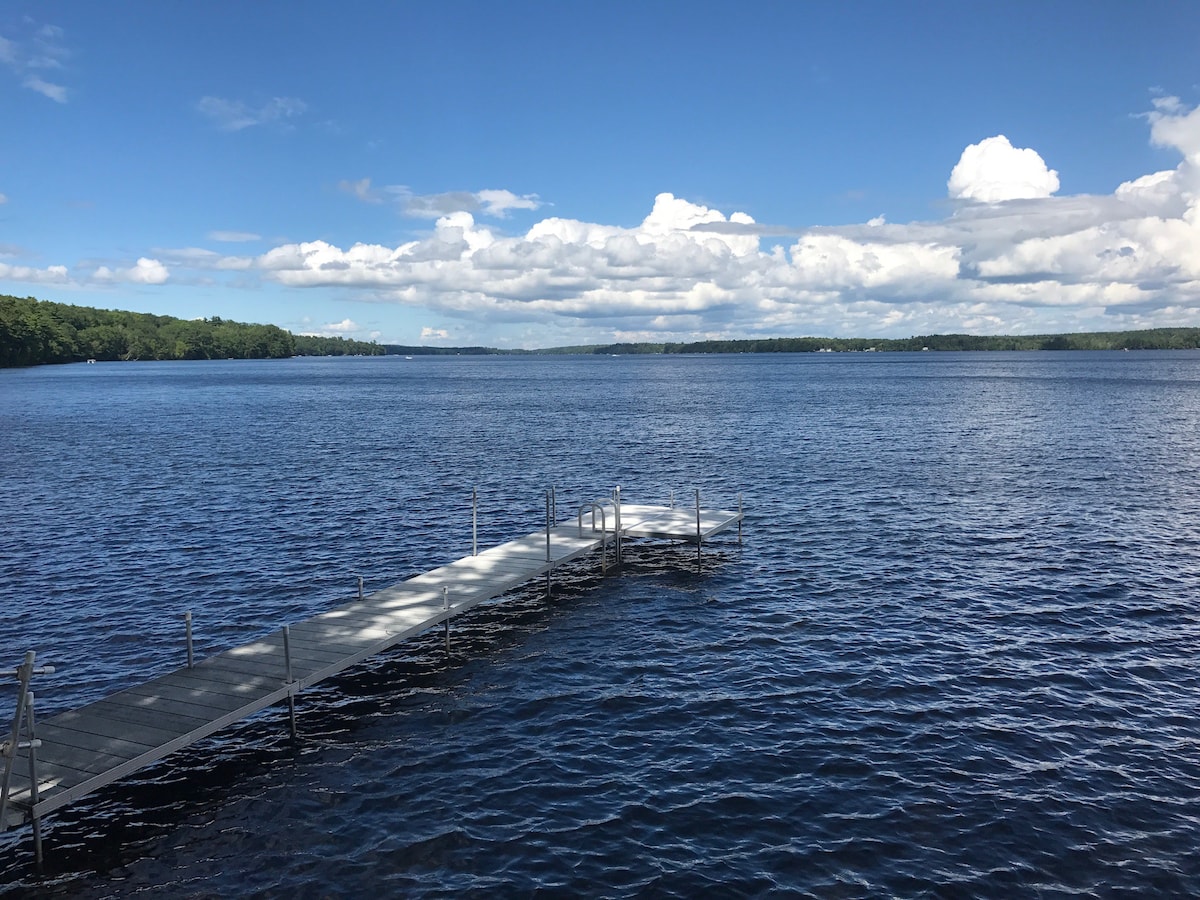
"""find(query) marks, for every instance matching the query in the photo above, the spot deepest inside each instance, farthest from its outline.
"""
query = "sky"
(542, 174)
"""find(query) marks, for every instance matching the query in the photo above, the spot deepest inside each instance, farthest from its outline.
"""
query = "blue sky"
(541, 174)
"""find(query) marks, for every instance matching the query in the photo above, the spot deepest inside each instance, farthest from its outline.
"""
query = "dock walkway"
(49, 765)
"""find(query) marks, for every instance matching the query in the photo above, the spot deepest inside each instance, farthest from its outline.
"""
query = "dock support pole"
(360, 588)
(187, 627)
(287, 666)
(739, 517)
(620, 554)
(446, 621)
(699, 536)
(34, 743)
(474, 521)
(549, 496)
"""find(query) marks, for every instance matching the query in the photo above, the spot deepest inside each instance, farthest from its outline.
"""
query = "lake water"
(956, 654)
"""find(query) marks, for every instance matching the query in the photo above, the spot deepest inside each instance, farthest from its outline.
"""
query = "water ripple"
(955, 655)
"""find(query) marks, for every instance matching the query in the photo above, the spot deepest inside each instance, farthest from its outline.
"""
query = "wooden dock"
(49, 765)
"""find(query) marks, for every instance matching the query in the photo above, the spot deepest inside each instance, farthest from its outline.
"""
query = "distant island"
(34, 332)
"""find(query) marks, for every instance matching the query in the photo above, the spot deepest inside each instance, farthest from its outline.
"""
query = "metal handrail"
(597, 506)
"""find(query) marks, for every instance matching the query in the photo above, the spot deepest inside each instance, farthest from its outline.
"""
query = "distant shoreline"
(39, 332)
(1150, 339)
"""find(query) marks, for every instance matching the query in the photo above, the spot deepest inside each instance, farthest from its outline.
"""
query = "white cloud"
(235, 115)
(55, 92)
(234, 237)
(434, 334)
(3, 199)
(334, 329)
(1173, 125)
(994, 170)
(146, 271)
(489, 202)
(32, 275)
(498, 203)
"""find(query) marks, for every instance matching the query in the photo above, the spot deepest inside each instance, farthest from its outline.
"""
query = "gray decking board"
(211, 703)
(173, 720)
(102, 742)
(88, 752)
(102, 724)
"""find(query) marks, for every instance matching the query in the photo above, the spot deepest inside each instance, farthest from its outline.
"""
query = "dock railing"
(23, 719)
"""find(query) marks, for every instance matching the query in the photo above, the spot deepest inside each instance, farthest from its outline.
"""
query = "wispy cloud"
(234, 237)
(55, 92)
(362, 190)
(497, 204)
(34, 55)
(490, 202)
(236, 115)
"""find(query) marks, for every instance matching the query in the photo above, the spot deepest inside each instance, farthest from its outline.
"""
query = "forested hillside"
(39, 331)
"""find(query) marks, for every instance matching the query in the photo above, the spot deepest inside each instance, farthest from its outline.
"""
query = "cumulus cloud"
(434, 334)
(994, 170)
(145, 271)
(236, 115)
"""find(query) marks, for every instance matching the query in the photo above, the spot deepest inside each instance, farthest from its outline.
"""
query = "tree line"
(1149, 339)
(33, 332)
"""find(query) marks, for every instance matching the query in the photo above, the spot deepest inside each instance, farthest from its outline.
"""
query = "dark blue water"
(956, 655)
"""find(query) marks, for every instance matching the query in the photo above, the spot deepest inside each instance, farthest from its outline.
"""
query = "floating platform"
(49, 765)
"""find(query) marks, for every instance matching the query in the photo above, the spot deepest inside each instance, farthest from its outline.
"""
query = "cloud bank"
(1011, 256)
